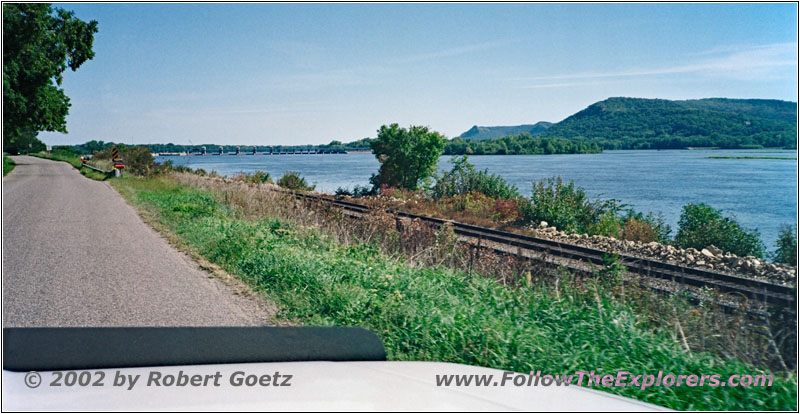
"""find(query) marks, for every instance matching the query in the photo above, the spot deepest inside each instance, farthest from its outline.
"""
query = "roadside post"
(118, 165)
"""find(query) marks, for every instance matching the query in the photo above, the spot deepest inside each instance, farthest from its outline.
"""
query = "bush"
(701, 225)
(564, 206)
(464, 179)
(293, 181)
(258, 177)
(645, 228)
(357, 192)
(609, 225)
(786, 246)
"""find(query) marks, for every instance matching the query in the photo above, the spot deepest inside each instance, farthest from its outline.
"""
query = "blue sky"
(312, 73)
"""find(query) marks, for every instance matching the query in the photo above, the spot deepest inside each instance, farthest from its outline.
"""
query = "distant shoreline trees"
(520, 144)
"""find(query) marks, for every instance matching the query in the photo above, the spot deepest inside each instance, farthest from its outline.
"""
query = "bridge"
(277, 151)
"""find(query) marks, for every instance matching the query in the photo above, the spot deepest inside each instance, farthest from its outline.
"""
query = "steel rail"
(753, 289)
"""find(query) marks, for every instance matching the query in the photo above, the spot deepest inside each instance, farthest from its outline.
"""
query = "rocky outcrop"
(711, 257)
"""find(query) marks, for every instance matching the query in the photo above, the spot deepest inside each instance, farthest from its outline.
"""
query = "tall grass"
(435, 313)
(725, 334)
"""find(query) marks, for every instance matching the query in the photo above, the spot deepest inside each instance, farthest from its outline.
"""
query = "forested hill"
(480, 133)
(633, 123)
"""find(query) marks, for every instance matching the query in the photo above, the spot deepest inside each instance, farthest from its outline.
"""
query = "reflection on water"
(761, 193)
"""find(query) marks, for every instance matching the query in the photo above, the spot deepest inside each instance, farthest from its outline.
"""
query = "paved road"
(76, 254)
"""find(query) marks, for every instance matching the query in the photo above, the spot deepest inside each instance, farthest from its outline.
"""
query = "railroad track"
(762, 292)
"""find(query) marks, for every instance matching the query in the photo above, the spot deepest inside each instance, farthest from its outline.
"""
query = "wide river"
(761, 193)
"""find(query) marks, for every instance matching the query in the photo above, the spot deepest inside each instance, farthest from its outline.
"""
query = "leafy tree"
(39, 43)
(701, 226)
(407, 156)
(787, 246)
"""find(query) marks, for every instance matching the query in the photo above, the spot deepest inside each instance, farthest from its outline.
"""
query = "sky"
(268, 74)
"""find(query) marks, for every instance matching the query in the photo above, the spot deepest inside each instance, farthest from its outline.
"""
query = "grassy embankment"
(8, 165)
(435, 313)
(75, 161)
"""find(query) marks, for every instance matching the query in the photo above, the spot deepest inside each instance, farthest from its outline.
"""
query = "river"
(761, 193)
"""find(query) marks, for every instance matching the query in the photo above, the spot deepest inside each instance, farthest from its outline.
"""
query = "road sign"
(114, 153)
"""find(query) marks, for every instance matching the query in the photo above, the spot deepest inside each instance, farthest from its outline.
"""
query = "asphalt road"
(76, 254)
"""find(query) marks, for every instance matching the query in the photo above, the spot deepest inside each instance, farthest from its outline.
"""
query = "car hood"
(313, 386)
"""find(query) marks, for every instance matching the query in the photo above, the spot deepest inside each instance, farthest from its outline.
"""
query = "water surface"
(762, 194)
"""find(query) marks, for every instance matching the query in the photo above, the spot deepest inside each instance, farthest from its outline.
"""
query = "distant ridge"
(480, 133)
(636, 123)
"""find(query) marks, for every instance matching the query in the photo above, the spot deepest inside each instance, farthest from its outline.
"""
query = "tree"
(407, 156)
(39, 43)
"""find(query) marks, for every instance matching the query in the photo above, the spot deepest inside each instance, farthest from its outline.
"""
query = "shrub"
(645, 228)
(293, 181)
(564, 206)
(609, 225)
(701, 225)
(505, 210)
(357, 192)
(786, 246)
(464, 179)
(258, 177)
(168, 166)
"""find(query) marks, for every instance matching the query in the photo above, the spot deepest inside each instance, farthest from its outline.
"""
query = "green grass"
(75, 161)
(8, 165)
(751, 158)
(436, 314)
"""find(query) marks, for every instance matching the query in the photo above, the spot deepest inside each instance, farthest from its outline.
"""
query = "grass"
(8, 165)
(751, 158)
(75, 161)
(438, 314)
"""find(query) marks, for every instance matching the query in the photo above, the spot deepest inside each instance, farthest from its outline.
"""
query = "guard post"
(118, 164)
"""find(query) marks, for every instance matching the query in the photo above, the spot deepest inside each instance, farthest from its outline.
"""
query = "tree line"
(519, 144)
